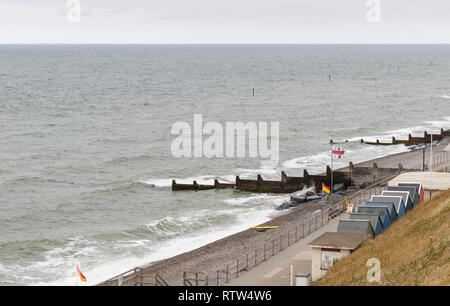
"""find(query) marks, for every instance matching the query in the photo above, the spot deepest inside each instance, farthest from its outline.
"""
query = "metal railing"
(439, 158)
(135, 277)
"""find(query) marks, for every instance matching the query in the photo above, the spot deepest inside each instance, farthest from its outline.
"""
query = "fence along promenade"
(257, 255)
(136, 277)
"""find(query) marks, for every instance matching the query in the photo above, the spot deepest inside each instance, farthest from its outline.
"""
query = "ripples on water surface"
(85, 133)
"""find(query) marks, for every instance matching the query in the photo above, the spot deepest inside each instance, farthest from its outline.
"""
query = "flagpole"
(431, 159)
(331, 187)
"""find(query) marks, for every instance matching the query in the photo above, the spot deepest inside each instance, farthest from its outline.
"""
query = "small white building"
(329, 247)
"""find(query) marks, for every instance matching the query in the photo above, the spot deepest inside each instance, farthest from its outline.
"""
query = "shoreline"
(217, 254)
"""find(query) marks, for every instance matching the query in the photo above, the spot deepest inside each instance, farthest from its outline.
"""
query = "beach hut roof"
(355, 226)
(412, 191)
(347, 241)
(373, 218)
(414, 184)
(396, 200)
(390, 206)
(381, 210)
(395, 193)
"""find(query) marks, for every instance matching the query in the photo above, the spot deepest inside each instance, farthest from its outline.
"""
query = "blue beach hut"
(382, 211)
(390, 206)
(405, 196)
(398, 201)
(373, 218)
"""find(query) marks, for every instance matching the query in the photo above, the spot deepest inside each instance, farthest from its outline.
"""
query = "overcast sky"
(225, 21)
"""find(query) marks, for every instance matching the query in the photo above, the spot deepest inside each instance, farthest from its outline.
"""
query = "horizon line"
(211, 44)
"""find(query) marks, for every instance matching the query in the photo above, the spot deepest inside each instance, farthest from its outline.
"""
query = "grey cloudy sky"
(225, 21)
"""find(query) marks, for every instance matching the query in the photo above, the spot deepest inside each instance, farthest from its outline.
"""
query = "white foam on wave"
(170, 226)
(314, 163)
(269, 171)
(254, 199)
(317, 163)
(397, 133)
(202, 179)
(174, 235)
(2, 268)
(157, 182)
(437, 125)
(402, 133)
(57, 263)
(156, 250)
(445, 97)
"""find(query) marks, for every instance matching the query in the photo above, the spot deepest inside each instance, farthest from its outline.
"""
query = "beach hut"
(413, 194)
(399, 202)
(329, 247)
(417, 185)
(373, 218)
(355, 227)
(382, 211)
(404, 195)
(390, 206)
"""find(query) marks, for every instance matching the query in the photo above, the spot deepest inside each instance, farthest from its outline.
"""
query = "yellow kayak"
(264, 227)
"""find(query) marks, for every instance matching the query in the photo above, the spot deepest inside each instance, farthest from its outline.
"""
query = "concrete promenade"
(275, 271)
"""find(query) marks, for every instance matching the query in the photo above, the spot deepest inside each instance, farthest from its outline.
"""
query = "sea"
(86, 163)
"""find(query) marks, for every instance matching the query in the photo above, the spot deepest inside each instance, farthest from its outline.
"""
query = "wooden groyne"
(411, 141)
(285, 185)
(196, 186)
(348, 176)
(365, 175)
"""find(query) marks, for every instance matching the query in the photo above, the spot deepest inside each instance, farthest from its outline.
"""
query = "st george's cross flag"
(338, 151)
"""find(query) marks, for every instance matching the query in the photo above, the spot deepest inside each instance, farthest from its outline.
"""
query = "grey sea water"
(85, 160)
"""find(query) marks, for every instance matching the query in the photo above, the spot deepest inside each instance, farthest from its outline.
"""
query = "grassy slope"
(413, 251)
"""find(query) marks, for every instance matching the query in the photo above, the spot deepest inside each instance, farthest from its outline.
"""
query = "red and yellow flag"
(325, 188)
(80, 275)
